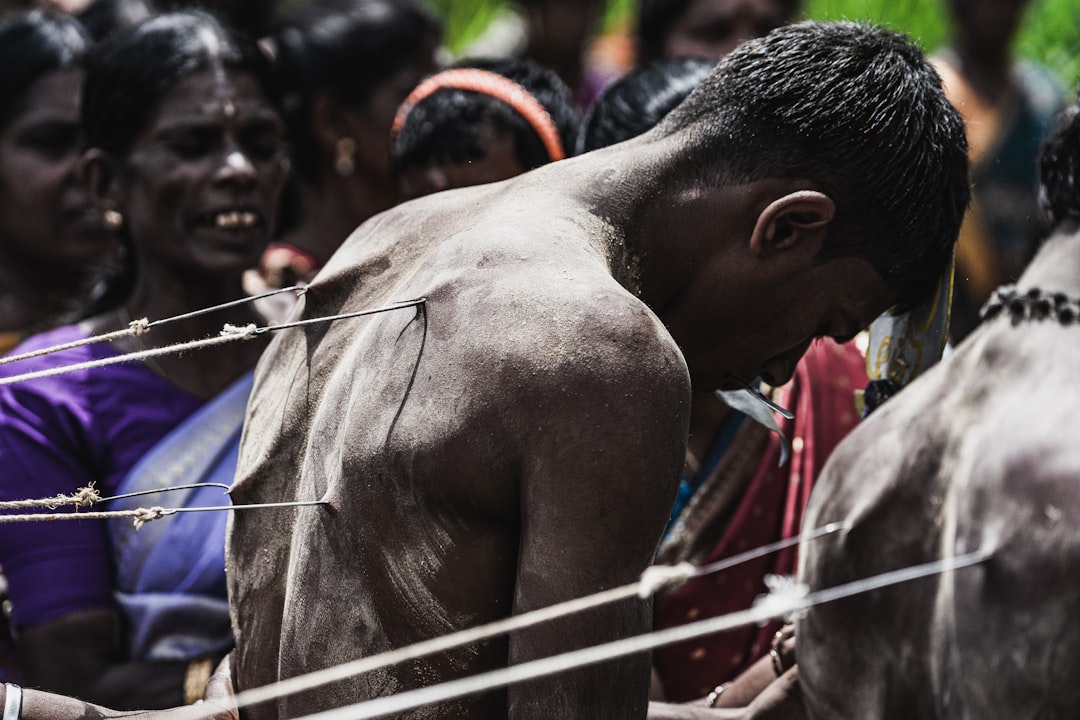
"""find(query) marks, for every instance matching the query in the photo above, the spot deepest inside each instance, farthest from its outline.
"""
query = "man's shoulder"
(581, 322)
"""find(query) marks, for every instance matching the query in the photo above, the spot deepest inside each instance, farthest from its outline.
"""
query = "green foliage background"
(1051, 32)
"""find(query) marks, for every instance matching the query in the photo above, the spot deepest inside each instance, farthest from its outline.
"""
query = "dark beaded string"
(1032, 304)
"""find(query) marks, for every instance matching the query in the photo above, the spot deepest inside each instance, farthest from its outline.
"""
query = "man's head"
(1059, 170)
(858, 112)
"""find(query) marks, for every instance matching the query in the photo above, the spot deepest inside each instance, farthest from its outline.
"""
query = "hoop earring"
(343, 161)
(112, 220)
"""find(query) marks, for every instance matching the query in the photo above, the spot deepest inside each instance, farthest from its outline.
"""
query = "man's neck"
(635, 194)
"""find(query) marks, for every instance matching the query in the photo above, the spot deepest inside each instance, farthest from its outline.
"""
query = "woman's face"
(199, 188)
(45, 213)
(713, 28)
(498, 162)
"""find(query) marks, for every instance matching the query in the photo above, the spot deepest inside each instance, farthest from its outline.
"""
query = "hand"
(782, 652)
(781, 700)
(220, 693)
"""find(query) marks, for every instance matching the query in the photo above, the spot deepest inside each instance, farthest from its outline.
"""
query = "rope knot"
(785, 595)
(657, 577)
(145, 515)
(139, 327)
(86, 496)
(245, 332)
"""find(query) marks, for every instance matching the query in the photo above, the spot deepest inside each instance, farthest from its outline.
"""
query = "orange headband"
(496, 86)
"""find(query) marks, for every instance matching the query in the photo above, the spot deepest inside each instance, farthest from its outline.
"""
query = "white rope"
(145, 515)
(128, 357)
(545, 667)
(143, 326)
(84, 497)
(140, 515)
(136, 327)
(229, 333)
(649, 581)
(525, 620)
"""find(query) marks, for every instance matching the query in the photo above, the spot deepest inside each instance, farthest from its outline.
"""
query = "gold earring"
(343, 162)
(113, 220)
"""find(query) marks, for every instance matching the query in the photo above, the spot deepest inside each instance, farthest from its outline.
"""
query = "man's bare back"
(436, 431)
(517, 440)
(980, 454)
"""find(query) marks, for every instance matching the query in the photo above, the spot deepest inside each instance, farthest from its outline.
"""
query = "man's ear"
(796, 219)
(98, 173)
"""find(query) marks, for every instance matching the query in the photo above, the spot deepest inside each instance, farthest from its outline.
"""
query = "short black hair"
(1059, 169)
(32, 46)
(451, 123)
(130, 73)
(655, 18)
(640, 100)
(857, 110)
(346, 48)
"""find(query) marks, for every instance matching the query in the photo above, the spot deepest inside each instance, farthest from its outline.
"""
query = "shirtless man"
(517, 440)
(979, 455)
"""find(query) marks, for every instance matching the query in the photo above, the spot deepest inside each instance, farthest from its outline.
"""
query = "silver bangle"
(12, 701)
(710, 700)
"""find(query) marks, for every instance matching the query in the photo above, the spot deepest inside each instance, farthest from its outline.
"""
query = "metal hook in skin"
(193, 486)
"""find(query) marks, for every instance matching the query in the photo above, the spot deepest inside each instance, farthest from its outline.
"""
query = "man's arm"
(603, 442)
(218, 704)
(79, 654)
(781, 700)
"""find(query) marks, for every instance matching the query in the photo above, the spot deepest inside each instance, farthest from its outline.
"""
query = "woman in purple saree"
(185, 158)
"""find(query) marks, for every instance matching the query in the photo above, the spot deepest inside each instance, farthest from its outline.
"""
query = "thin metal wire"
(764, 550)
(298, 289)
(544, 667)
(192, 486)
(344, 316)
(146, 514)
(443, 643)
(230, 333)
(138, 327)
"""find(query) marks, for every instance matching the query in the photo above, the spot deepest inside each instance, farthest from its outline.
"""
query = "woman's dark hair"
(32, 46)
(129, 75)
(450, 123)
(1059, 169)
(346, 48)
(655, 18)
(639, 101)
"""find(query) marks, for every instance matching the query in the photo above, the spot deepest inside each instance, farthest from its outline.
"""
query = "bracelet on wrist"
(712, 698)
(12, 701)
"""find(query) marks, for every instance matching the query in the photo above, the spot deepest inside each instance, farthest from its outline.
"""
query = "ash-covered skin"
(467, 451)
(518, 441)
(980, 454)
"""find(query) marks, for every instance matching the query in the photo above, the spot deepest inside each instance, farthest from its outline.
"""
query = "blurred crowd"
(157, 159)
